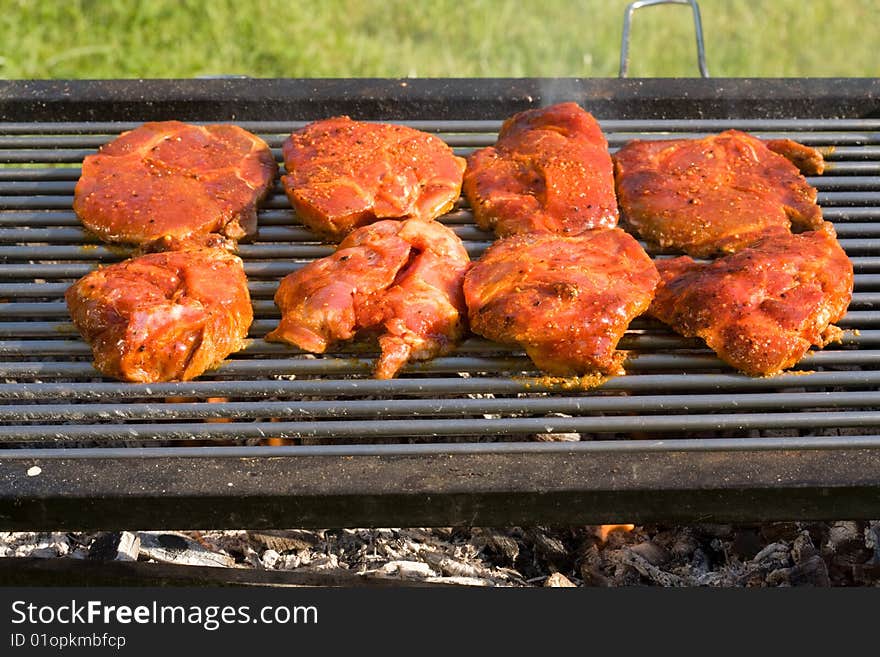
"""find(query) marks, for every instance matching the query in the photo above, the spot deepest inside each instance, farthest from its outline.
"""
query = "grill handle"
(639, 4)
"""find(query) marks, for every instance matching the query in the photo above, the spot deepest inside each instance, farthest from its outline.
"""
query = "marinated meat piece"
(549, 171)
(566, 300)
(760, 309)
(171, 179)
(163, 316)
(400, 279)
(808, 160)
(713, 195)
(342, 174)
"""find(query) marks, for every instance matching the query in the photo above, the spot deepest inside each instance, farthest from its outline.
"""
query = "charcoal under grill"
(455, 440)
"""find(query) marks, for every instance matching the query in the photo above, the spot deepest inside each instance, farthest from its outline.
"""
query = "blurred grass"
(397, 38)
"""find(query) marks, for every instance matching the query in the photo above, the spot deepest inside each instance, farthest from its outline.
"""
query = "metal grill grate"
(484, 401)
(482, 389)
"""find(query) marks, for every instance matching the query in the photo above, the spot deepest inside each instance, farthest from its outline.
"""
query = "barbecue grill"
(467, 439)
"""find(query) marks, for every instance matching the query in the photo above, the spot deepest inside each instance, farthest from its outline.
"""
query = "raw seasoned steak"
(717, 194)
(171, 179)
(549, 171)
(400, 279)
(342, 174)
(761, 308)
(163, 316)
(566, 300)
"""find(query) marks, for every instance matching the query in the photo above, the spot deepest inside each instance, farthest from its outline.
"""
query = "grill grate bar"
(288, 252)
(33, 309)
(258, 289)
(488, 385)
(281, 217)
(437, 427)
(271, 270)
(56, 309)
(33, 174)
(855, 146)
(285, 234)
(34, 329)
(452, 364)
(36, 218)
(101, 253)
(41, 188)
(277, 270)
(755, 445)
(835, 167)
(265, 289)
(11, 145)
(432, 408)
(258, 347)
(294, 238)
(278, 202)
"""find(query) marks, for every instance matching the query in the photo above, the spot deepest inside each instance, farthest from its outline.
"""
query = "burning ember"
(604, 530)
(218, 400)
(842, 553)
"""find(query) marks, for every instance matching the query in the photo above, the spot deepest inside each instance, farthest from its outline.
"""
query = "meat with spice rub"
(169, 179)
(549, 171)
(163, 316)
(566, 300)
(717, 194)
(761, 308)
(343, 174)
(398, 279)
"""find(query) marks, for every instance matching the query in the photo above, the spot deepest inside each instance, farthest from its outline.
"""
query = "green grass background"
(439, 38)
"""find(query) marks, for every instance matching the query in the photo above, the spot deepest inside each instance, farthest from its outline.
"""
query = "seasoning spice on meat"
(761, 308)
(717, 194)
(169, 179)
(343, 174)
(401, 280)
(566, 300)
(163, 316)
(549, 171)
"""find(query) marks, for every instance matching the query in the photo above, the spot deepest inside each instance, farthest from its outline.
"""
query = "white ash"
(551, 436)
(842, 553)
(32, 544)
(558, 580)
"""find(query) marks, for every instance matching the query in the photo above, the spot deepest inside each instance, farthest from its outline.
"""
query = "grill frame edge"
(473, 486)
(412, 98)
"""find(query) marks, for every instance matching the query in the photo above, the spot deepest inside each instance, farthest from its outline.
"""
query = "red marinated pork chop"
(717, 194)
(163, 316)
(566, 300)
(402, 279)
(549, 171)
(343, 174)
(171, 179)
(761, 308)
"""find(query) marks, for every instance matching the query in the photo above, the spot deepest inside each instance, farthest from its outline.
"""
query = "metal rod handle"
(627, 22)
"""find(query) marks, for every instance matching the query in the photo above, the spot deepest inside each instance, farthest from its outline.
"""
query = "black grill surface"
(476, 436)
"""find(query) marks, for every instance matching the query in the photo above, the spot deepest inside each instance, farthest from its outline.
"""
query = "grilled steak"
(717, 194)
(163, 316)
(760, 309)
(171, 179)
(399, 279)
(342, 174)
(566, 300)
(549, 171)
